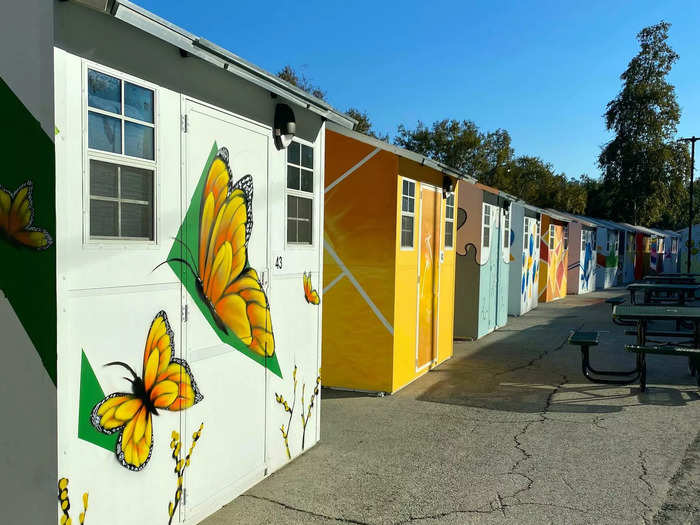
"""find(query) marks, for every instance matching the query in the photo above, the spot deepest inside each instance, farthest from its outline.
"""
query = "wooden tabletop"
(644, 313)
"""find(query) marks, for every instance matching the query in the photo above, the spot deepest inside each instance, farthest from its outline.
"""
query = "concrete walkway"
(508, 431)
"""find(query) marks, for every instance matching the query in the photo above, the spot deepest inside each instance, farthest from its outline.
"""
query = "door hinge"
(184, 123)
(184, 313)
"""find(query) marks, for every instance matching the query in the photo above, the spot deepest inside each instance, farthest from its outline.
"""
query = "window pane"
(104, 133)
(103, 179)
(138, 102)
(138, 140)
(307, 156)
(104, 92)
(137, 220)
(411, 188)
(137, 184)
(103, 218)
(450, 212)
(304, 208)
(294, 153)
(405, 187)
(304, 232)
(292, 207)
(291, 230)
(404, 203)
(292, 178)
(448, 234)
(307, 180)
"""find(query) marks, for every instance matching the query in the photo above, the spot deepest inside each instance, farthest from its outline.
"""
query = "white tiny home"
(523, 290)
(189, 238)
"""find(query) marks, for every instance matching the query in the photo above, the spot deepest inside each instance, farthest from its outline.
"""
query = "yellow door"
(429, 258)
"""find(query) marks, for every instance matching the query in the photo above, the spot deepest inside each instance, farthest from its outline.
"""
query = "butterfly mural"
(310, 294)
(17, 218)
(166, 383)
(225, 282)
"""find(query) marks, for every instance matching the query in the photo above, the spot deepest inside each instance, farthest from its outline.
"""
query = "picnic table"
(642, 316)
(679, 293)
(669, 279)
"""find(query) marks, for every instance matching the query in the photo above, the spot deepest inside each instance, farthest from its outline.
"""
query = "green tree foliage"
(644, 168)
(288, 74)
(488, 157)
(364, 124)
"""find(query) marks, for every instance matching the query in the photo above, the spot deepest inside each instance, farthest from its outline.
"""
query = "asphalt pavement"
(507, 431)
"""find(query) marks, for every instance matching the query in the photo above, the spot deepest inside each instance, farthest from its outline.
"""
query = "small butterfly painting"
(17, 218)
(310, 294)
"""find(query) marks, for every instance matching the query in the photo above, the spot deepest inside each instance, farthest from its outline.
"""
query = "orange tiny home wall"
(553, 262)
(359, 262)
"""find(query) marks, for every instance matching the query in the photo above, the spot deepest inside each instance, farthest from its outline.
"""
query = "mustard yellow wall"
(406, 275)
(360, 227)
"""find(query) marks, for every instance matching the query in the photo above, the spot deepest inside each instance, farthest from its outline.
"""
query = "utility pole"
(692, 141)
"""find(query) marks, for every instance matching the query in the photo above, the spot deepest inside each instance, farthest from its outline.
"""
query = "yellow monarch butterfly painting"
(166, 384)
(310, 294)
(224, 280)
(17, 218)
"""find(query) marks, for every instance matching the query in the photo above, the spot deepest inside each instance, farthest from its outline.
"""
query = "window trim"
(89, 154)
(550, 239)
(403, 213)
(506, 229)
(451, 223)
(304, 194)
(486, 240)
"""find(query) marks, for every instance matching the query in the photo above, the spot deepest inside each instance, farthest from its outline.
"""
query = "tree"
(288, 74)
(458, 144)
(644, 169)
(364, 124)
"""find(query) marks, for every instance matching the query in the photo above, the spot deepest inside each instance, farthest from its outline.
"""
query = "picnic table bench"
(669, 279)
(641, 316)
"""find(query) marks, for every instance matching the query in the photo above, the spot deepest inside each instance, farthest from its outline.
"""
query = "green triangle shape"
(188, 236)
(90, 394)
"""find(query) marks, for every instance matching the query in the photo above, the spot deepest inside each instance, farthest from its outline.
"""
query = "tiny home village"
(186, 240)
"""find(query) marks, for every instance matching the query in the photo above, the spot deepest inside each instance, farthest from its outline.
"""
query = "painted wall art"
(289, 410)
(166, 384)
(181, 465)
(17, 219)
(64, 504)
(310, 294)
(210, 257)
(553, 261)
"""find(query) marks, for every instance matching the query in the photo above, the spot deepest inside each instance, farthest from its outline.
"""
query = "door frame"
(437, 267)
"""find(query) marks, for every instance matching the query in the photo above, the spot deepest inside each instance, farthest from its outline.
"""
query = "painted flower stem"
(180, 466)
(290, 410)
(64, 502)
(305, 418)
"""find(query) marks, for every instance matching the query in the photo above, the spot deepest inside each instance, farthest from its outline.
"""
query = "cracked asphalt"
(507, 431)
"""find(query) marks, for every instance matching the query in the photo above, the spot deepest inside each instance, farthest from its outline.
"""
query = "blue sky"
(542, 70)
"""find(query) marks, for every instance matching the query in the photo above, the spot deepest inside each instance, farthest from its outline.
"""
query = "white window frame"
(303, 194)
(486, 228)
(449, 223)
(506, 228)
(565, 236)
(526, 232)
(550, 240)
(405, 213)
(119, 158)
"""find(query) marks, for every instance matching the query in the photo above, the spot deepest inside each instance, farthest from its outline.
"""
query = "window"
(408, 205)
(526, 233)
(584, 239)
(121, 159)
(551, 236)
(300, 193)
(506, 228)
(674, 245)
(121, 201)
(449, 220)
(566, 237)
(486, 227)
(120, 117)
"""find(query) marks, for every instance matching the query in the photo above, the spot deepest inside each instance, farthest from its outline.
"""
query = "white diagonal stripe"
(357, 286)
(334, 282)
(349, 172)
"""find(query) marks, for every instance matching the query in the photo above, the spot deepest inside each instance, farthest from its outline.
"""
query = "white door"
(231, 453)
